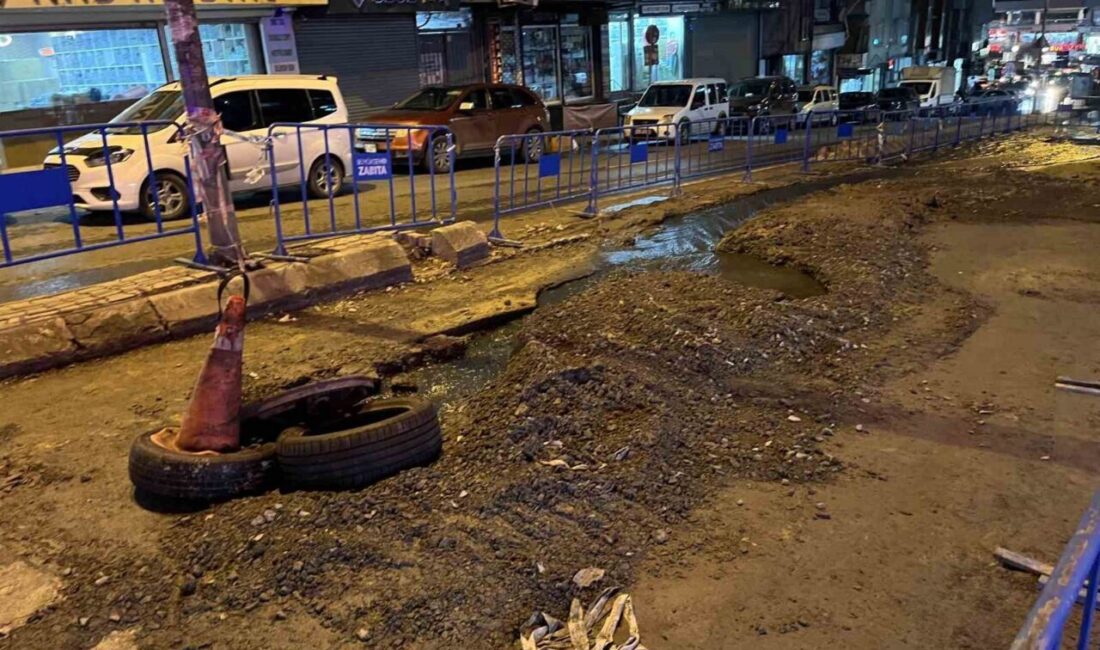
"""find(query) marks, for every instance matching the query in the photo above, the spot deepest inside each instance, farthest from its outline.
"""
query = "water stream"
(681, 243)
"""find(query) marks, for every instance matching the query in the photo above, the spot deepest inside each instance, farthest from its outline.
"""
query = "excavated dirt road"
(761, 470)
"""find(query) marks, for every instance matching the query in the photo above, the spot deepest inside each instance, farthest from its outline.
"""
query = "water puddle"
(684, 243)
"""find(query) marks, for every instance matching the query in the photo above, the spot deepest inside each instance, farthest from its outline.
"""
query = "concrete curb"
(113, 317)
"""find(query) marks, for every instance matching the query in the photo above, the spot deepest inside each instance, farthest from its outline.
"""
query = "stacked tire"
(366, 442)
(383, 438)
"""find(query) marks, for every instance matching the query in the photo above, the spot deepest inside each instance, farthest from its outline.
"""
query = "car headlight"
(116, 156)
(755, 107)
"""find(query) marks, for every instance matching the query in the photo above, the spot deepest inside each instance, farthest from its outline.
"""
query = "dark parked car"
(902, 98)
(859, 106)
(759, 96)
(994, 101)
(476, 114)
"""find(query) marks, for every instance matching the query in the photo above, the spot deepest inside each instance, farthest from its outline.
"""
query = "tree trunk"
(207, 154)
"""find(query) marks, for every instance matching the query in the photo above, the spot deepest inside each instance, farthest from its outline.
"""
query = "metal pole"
(204, 131)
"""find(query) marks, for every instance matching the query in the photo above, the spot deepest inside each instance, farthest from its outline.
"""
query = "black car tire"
(325, 178)
(166, 473)
(176, 197)
(384, 437)
(533, 145)
(436, 157)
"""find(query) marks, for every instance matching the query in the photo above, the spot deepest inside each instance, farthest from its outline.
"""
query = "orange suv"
(476, 114)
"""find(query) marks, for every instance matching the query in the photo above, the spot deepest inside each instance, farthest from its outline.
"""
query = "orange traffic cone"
(212, 420)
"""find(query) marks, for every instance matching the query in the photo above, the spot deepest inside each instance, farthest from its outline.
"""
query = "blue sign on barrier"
(373, 167)
(716, 143)
(41, 188)
(780, 136)
(639, 153)
(549, 165)
(845, 130)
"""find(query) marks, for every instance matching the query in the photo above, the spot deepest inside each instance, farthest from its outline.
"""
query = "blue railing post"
(912, 134)
(594, 177)
(808, 144)
(748, 150)
(496, 191)
(1090, 606)
(280, 246)
(959, 128)
(676, 162)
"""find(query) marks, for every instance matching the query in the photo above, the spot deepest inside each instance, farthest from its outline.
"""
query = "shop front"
(79, 65)
(662, 41)
(551, 50)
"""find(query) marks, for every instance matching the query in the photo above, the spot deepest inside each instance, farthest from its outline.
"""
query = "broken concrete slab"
(24, 590)
(94, 321)
(125, 324)
(33, 345)
(119, 640)
(461, 244)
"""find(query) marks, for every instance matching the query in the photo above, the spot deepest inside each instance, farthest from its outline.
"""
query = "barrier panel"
(714, 146)
(924, 134)
(399, 177)
(112, 170)
(634, 157)
(542, 169)
(851, 136)
(1074, 580)
(775, 140)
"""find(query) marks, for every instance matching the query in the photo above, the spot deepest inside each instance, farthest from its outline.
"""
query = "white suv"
(248, 105)
(670, 105)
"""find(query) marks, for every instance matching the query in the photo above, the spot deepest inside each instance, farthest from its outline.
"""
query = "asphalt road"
(407, 198)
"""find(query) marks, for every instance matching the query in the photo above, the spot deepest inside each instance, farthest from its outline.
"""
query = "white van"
(670, 105)
(935, 85)
(817, 103)
(248, 105)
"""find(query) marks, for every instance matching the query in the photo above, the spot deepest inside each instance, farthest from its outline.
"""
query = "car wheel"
(683, 131)
(172, 197)
(439, 157)
(721, 127)
(326, 177)
(533, 145)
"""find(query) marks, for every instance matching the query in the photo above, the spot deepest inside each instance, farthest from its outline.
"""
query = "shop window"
(794, 66)
(540, 61)
(229, 49)
(44, 69)
(668, 63)
(618, 39)
(821, 66)
(576, 61)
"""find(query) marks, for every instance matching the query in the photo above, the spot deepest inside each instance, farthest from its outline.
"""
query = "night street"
(549, 325)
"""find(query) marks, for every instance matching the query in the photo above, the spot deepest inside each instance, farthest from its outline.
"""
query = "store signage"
(849, 61)
(373, 167)
(652, 9)
(46, 4)
(280, 48)
(395, 6)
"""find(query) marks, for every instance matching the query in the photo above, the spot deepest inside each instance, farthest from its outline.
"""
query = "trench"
(683, 243)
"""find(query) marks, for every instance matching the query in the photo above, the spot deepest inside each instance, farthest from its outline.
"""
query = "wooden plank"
(1021, 562)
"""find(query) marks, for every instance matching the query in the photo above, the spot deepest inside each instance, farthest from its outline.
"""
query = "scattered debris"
(583, 630)
(585, 578)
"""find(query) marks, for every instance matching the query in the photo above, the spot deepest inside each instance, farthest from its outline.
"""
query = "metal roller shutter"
(724, 45)
(374, 57)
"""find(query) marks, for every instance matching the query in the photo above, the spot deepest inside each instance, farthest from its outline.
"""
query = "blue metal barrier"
(774, 140)
(715, 146)
(116, 168)
(847, 136)
(637, 156)
(543, 169)
(1078, 571)
(318, 160)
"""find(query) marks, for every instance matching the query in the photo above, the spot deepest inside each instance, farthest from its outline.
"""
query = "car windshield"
(805, 96)
(922, 87)
(162, 105)
(754, 88)
(666, 95)
(431, 99)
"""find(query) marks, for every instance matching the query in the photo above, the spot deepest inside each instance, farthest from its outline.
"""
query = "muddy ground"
(760, 470)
